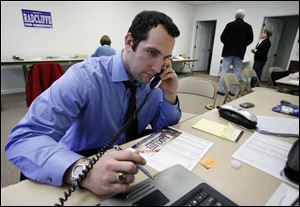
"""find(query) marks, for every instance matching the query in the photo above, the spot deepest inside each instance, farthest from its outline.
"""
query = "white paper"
(278, 125)
(175, 147)
(284, 195)
(266, 154)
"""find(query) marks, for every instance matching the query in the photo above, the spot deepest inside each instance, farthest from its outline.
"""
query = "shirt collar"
(119, 72)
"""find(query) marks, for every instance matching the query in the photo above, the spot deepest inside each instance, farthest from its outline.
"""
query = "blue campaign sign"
(33, 18)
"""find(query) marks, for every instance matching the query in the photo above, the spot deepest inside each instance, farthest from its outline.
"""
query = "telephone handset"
(238, 116)
(154, 83)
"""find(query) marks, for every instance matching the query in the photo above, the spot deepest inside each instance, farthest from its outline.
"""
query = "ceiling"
(202, 2)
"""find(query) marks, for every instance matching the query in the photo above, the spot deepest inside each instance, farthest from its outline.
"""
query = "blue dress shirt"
(81, 110)
(104, 50)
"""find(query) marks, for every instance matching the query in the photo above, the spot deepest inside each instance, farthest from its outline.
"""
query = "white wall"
(255, 13)
(77, 27)
(295, 51)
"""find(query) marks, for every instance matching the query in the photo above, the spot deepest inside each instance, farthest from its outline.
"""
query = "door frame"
(214, 22)
(284, 29)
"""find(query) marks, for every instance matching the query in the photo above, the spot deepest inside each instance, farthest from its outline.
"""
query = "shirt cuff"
(172, 110)
(54, 169)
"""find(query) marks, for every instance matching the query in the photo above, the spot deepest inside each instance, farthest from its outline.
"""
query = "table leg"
(25, 73)
(189, 66)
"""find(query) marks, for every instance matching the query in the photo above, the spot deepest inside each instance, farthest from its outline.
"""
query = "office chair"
(194, 93)
(271, 70)
(231, 80)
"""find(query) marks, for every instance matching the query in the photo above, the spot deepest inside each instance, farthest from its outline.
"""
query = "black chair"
(277, 75)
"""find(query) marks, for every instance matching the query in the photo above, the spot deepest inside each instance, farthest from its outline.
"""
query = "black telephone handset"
(238, 116)
(154, 83)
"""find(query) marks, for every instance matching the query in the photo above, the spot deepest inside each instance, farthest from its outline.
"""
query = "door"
(276, 26)
(205, 32)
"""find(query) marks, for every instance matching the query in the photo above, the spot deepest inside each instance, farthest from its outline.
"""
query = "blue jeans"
(237, 66)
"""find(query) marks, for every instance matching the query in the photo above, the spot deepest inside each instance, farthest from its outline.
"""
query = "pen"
(146, 172)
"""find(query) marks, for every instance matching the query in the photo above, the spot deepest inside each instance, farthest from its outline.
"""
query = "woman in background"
(104, 49)
(261, 53)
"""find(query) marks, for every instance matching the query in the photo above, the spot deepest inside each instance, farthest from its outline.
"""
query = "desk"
(245, 186)
(289, 82)
(29, 61)
(185, 62)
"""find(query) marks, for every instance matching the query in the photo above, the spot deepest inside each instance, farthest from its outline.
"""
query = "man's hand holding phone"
(169, 83)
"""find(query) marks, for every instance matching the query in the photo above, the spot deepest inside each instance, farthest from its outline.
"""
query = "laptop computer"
(173, 186)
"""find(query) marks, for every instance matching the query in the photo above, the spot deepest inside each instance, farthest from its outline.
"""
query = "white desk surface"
(288, 81)
(245, 186)
(184, 60)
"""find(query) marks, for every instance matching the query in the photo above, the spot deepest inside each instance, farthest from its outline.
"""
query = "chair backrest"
(270, 71)
(230, 80)
(194, 93)
(250, 73)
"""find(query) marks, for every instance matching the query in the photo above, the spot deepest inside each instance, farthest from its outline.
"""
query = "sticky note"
(208, 162)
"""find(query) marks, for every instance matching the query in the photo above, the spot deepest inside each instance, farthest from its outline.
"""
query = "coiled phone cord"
(97, 156)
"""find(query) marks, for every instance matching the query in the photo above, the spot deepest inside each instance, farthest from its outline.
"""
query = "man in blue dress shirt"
(104, 49)
(85, 107)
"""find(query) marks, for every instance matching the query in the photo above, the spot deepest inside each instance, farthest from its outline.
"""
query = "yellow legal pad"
(226, 132)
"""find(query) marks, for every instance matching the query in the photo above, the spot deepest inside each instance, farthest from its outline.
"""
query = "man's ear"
(128, 42)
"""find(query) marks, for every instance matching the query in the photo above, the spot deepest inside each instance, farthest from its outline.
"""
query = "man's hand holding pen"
(113, 172)
(141, 168)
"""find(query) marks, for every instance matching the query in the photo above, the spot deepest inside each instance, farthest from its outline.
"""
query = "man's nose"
(157, 65)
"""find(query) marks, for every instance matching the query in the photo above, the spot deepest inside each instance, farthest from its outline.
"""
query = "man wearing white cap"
(236, 36)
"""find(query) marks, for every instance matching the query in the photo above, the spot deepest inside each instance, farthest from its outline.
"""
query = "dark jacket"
(263, 48)
(236, 36)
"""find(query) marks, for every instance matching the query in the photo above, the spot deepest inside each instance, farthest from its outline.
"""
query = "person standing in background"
(104, 49)
(261, 53)
(236, 36)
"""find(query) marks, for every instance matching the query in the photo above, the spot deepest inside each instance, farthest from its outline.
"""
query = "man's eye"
(152, 53)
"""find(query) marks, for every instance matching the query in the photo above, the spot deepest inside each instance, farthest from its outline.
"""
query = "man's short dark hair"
(145, 21)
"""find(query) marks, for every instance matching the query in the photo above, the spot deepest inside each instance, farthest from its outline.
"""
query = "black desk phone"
(153, 83)
(238, 116)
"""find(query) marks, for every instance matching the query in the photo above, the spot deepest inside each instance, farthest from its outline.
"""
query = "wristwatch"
(78, 170)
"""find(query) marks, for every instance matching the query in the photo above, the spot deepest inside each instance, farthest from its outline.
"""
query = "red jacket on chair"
(40, 77)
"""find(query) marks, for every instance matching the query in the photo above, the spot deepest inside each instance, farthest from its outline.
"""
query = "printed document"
(278, 125)
(170, 147)
(284, 195)
(266, 154)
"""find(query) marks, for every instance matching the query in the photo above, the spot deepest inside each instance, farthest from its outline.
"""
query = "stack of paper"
(279, 126)
(266, 154)
(226, 132)
(170, 147)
